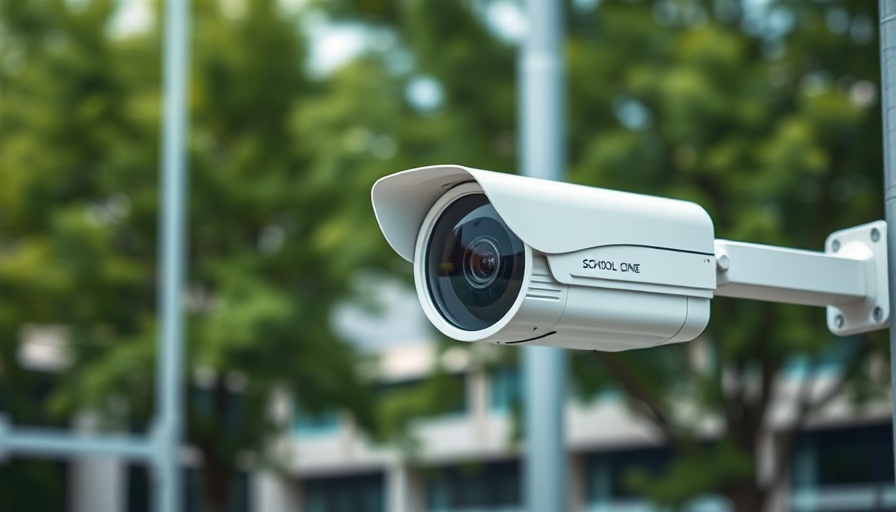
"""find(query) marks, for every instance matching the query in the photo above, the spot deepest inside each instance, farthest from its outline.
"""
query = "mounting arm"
(849, 278)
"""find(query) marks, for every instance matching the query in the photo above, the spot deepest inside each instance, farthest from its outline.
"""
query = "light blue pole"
(55, 444)
(543, 140)
(887, 9)
(168, 431)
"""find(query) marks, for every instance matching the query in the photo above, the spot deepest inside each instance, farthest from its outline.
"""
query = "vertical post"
(542, 141)
(888, 106)
(168, 431)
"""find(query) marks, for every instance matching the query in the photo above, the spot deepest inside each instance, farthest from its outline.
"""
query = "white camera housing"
(595, 269)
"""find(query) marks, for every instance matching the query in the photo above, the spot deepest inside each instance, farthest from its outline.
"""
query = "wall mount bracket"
(849, 278)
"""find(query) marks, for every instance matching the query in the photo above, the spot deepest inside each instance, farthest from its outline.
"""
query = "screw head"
(875, 235)
(878, 314)
(835, 245)
(723, 262)
(839, 321)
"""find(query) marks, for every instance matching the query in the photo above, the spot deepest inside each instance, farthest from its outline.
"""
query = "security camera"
(505, 259)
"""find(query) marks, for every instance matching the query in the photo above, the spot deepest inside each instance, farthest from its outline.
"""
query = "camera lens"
(474, 264)
(481, 262)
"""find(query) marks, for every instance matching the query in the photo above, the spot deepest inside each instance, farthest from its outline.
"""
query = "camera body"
(506, 259)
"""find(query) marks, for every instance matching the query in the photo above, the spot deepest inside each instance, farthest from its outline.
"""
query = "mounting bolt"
(838, 321)
(878, 314)
(835, 245)
(723, 262)
(875, 235)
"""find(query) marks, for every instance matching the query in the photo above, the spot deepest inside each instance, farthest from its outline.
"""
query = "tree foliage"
(274, 221)
(772, 124)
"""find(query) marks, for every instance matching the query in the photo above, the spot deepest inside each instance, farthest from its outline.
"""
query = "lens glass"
(474, 264)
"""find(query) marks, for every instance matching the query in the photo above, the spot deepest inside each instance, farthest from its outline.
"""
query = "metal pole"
(49, 443)
(542, 141)
(168, 431)
(888, 106)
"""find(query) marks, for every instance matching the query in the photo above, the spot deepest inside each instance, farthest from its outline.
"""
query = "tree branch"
(650, 407)
(806, 405)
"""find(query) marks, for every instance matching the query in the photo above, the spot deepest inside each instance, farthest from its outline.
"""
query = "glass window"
(608, 482)
(848, 456)
(505, 388)
(206, 402)
(492, 486)
(845, 469)
(139, 490)
(451, 390)
(609, 472)
(830, 359)
(306, 424)
(357, 493)
(27, 484)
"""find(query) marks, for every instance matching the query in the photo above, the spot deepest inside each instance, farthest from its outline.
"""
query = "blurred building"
(468, 462)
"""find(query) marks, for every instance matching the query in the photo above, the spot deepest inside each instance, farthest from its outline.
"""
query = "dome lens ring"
(474, 264)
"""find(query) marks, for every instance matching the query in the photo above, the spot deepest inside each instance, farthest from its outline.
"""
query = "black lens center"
(481, 262)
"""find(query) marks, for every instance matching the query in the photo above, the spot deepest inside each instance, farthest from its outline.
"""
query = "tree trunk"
(216, 480)
(217, 472)
(746, 497)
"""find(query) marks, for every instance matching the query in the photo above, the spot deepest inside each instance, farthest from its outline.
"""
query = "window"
(608, 473)
(482, 487)
(608, 486)
(830, 359)
(139, 497)
(451, 389)
(34, 484)
(307, 425)
(505, 388)
(359, 493)
(224, 405)
(842, 470)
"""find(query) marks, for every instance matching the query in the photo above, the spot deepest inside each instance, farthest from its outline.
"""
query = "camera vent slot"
(542, 286)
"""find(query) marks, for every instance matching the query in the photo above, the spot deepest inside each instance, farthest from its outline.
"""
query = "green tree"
(776, 132)
(49, 168)
(272, 246)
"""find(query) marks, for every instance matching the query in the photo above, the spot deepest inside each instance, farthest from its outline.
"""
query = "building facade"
(468, 460)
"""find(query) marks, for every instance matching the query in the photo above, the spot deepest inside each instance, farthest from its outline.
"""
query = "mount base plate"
(867, 242)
